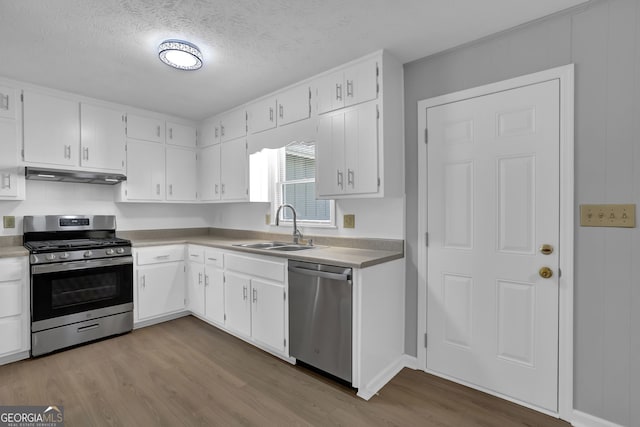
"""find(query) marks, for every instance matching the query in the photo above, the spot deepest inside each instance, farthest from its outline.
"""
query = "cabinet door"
(234, 168)
(330, 176)
(233, 125)
(145, 128)
(267, 313)
(145, 171)
(330, 92)
(294, 105)
(8, 99)
(160, 289)
(8, 158)
(209, 132)
(209, 173)
(214, 294)
(10, 335)
(361, 150)
(102, 138)
(183, 135)
(361, 82)
(237, 303)
(51, 129)
(261, 115)
(181, 174)
(195, 288)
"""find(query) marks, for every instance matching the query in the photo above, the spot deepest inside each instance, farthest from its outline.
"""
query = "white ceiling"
(107, 49)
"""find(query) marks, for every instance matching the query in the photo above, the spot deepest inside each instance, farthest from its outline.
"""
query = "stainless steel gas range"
(81, 280)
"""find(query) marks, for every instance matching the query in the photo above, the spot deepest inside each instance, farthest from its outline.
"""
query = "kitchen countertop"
(334, 255)
(11, 246)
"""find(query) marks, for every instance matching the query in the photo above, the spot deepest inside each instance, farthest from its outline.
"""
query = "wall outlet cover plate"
(9, 221)
(349, 221)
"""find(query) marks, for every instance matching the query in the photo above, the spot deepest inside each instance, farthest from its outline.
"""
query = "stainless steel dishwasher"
(320, 298)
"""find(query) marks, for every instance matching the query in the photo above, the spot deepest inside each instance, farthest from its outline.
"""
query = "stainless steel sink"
(275, 246)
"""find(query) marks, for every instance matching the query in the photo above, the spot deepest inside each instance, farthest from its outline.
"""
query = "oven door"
(68, 292)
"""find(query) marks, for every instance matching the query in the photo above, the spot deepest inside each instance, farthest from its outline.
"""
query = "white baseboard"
(411, 362)
(14, 357)
(581, 419)
(386, 375)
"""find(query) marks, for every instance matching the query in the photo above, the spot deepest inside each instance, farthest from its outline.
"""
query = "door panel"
(267, 311)
(209, 173)
(234, 170)
(493, 200)
(330, 177)
(214, 294)
(361, 149)
(181, 174)
(145, 170)
(237, 303)
(102, 138)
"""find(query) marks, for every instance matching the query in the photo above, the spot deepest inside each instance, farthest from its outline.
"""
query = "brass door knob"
(545, 272)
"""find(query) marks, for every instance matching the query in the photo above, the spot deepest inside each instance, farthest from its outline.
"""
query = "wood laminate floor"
(186, 372)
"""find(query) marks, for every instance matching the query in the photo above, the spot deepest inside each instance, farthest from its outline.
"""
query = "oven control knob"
(64, 255)
(109, 252)
(50, 257)
(87, 254)
(120, 250)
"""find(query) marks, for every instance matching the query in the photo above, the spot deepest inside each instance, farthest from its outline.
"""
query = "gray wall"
(602, 39)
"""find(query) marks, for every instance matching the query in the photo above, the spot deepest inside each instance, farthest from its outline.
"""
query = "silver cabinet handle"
(350, 88)
(194, 256)
(255, 295)
(5, 101)
(6, 177)
(199, 278)
(216, 188)
(162, 257)
(158, 131)
(222, 188)
(340, 179)
(338, 92)
(143, 279)
(212, 259)
(270, 114)
(170, 133)
(216, 131)
(350, 177)
(244, 292)
(222, 130)
(206, 280)
(67, 151)
(281, 111)
(171, 189)
(158, 189)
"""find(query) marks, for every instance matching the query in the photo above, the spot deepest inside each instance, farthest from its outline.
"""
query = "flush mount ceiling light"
(180, 54)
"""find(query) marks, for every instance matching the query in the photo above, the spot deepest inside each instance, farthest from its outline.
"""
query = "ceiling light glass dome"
(180, 54)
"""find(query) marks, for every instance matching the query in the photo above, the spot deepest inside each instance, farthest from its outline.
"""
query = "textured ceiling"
(107, 49)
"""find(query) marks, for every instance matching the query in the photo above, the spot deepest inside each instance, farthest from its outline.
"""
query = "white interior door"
(493, 202)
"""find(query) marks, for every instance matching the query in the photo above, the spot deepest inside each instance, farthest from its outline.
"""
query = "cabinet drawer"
(11, 270)
(10, 334)
(213, 257)
(257, 267)
(196, 254)
(159, 255)
(10, 298)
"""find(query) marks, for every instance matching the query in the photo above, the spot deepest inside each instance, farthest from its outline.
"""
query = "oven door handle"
(80, 265)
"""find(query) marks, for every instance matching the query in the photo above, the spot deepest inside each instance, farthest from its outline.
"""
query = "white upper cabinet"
(181, 174)
(51, 129)
(262, 115)
(234, 170)
(183, 135)
(209, 132)
(350, 86)
(8, 102)
(209, 173)
(233, 125)
(145, 171)
(102, 138)
(145, 128)
(294, 105)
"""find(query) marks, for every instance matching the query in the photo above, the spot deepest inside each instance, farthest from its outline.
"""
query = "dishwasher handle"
(322, 274)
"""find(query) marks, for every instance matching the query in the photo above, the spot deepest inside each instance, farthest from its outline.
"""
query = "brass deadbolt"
(545, 272)
(546, 249)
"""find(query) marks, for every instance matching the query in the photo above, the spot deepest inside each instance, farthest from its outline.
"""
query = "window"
(296, 185)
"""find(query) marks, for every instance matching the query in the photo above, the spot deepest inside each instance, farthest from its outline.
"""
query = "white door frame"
(565, 334)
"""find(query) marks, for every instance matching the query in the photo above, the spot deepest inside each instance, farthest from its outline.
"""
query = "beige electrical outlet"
(608, 216)
(349, 221)
(9, 221)
(267, 219)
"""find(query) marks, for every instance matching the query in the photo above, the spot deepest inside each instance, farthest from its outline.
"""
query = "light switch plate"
(608, 216)
(349, 221)
(9, 221)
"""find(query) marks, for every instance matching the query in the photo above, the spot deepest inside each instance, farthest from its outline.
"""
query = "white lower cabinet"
(205, 288)
(255, 296)
(14, 308)
(160, 282)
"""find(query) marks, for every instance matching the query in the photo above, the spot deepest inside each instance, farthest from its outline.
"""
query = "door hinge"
(378, 182)
(426, 239)
(126, 193)
(559, 272)
(425, 340)
(285, 342)
(285, 296)
(225, 317)
(426, 135)
(377, 112)
(22, 97)
(224, 280)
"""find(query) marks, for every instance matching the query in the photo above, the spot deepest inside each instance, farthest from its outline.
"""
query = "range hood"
(44, 174)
